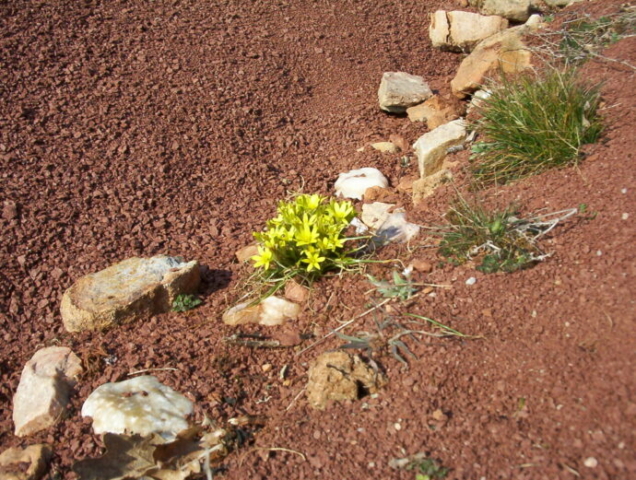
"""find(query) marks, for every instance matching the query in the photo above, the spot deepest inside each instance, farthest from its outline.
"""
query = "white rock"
(471, 281)
(591, 462)
(42, 394)
(141, 405)
(431, 147)
(270, 312)
(561, 3)
(353, 184)
(399, 91)
(461, 31)
(132, 289)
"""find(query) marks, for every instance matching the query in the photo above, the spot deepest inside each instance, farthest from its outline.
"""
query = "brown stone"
(27, 463)
(295, 292)
(246, 253)
(422, 265)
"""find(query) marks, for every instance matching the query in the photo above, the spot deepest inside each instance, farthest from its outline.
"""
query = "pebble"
(625, 216)
(471, 281)
(266, 367)
(590, 462)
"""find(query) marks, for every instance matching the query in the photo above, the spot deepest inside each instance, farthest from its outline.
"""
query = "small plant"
(402, 287)
(306, 238)
(533, 123)
(583, 38)
(499, 239)
(428, 469)
(185, 302)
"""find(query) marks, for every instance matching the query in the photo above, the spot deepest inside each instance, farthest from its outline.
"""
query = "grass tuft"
(533, 123)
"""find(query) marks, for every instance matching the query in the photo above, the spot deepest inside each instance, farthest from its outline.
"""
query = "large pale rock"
(431, 147)
(504, 51)
(141, 405)
(339, 376)
(399, 91)
(133, 289)
(270, 312)
(461, 31)
(515, 10)
(42, 394)
(25, 463)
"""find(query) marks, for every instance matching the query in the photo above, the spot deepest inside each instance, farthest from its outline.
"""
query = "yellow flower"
(341, 210)
(307, 234)
(263, 259)
(313, 260)
(312, 201)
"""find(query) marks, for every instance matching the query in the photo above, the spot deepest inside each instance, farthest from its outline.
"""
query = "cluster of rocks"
(492, 45)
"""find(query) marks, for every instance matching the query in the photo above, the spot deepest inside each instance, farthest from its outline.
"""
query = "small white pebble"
(591, 462)
(625, 216)
(371, 465)
(599, 253)
(398, 426)
(471, 281)
(567, 324)
(623, 190)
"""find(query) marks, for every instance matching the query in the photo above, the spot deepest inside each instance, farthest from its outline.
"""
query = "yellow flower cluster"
(307, 234)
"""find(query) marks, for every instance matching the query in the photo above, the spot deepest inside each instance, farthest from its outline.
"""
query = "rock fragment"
(28, 463)
(141, 405)
(43, 391)
(270, 312)
(339, 376)
(505, 51)
(515, 10)
(461, 31)
(436, 111)
(431, 147)
(400, 90)
(133, 289)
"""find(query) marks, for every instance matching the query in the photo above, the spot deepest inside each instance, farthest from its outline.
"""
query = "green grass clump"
(533, 123)
(306, 239)
(498, 239)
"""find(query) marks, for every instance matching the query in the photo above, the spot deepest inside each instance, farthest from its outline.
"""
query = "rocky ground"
(142, 128)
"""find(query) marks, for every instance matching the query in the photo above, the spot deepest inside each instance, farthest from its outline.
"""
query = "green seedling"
(185, 302)
(401, 287)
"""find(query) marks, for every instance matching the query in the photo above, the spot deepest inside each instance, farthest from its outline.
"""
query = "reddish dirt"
(135, 128)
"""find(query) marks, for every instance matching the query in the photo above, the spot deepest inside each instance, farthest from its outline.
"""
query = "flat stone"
(270, 312)
(385, 147)
(462, 31)
(141, 405)
(42, 394)
(133, 289)
(28, 463)
(246, 253)
(295, 292)
(504, 51)
(400, 90)
(436, 111)
(431, 147)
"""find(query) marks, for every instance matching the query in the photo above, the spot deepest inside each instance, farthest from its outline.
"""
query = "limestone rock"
(270, 312)
(461, 31)
(425, 187)
(25, 463)
(432, 146)
(42, 394)
(354, 183)
(504, 51)
(141, 405)
(435, 111)
(129, 290)
(295, 292)
(400, 90)
(385, 147)
(375, 214)
(339, 376)
(515, 10)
